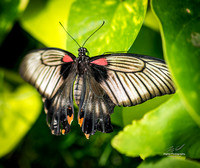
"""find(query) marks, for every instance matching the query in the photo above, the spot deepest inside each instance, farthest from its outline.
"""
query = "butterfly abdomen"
(78, 89)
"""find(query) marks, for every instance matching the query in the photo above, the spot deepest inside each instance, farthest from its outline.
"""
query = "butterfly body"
(101, 83)
(82, 61)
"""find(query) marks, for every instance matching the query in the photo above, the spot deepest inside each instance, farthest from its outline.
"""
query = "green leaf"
(9, 12)
(169, 129)
(137, 112)
(123, 20)
(117, 116)
(166, 130)
(151, 21)
(181, 41)
(148, 42)
(41, 19)
(169, 162)
(19, 108)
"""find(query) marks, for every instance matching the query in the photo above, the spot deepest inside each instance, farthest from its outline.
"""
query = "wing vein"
(134, 87)
(144, 86)
(124, 89)
(160, 80)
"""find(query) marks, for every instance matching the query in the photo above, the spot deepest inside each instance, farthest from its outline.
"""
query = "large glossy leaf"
(180, 28)
(41, 19)
(123, 20)
(19, 108)
(9, 12)
(167, 130)
(169, 162)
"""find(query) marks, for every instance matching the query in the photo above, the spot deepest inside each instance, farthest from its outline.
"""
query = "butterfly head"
(82, 52)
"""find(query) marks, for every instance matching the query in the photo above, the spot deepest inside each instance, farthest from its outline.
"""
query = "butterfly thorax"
(82, 60)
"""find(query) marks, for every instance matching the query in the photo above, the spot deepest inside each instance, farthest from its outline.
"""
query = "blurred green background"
(162, 132)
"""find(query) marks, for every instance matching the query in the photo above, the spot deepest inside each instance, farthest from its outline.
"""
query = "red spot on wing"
(67, 58)
(100, 61)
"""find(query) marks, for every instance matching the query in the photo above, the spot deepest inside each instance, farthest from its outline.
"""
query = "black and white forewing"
(131, 79)
(46, 69)
(52, 71)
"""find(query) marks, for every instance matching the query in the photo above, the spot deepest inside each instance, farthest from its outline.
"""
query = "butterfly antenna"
(93, 33)
(69, 34)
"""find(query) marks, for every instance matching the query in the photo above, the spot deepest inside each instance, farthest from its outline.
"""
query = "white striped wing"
(131, 79)
(46, 69)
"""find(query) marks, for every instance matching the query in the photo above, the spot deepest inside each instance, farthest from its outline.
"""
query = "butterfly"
(97, 85)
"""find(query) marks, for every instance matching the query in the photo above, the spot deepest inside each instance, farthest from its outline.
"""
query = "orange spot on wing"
(63, 131)
(80, 121)
(87, 136)
(70, 119)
